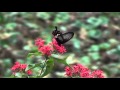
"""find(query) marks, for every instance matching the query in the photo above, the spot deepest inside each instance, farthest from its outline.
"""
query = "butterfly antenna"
(56, 27)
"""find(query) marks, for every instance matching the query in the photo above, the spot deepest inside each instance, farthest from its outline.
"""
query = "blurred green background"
(95, 43)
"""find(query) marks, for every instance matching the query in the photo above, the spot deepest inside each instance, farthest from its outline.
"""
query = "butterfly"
(62, 38)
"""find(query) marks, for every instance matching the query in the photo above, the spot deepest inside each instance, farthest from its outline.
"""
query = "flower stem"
(43, 67)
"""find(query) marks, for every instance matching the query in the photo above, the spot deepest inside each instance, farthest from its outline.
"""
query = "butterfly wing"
(63, 38)
(67, 36)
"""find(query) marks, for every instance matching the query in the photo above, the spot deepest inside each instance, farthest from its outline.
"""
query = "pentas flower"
(18, 66)
(17, 63)
(46, 50)
(39, 42)
(23, 66)
(61, 49)
(68, 71)
(98, 74)
(29, 72)
(83, 72)
(76, 69)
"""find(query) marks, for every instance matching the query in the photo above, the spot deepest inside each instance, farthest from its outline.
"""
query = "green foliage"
(85, 60)
(94, 33)
(49, 67)
(94, 48)
(100, 41)
(61, 17)
(60, 60)
(104, 46)
(10, 26)
(95, 56)
(95, 22)
(76, 43)
(43, 15)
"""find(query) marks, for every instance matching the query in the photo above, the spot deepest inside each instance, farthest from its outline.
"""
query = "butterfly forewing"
(63, 38)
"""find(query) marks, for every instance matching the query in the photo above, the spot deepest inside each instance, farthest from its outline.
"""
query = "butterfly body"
(62, 38)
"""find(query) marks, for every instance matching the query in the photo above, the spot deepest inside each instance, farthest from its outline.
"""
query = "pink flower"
(61, 49)
(46, 50)
(15, 66)
(75, 69)
(98, 74)
(17, 63)
(68, 71)
(23, 66)
(29, 72)
(82, 68)
(39, 42)
(89, 76)
(85, 74)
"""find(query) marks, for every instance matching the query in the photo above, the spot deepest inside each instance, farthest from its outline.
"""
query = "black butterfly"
(62, 38)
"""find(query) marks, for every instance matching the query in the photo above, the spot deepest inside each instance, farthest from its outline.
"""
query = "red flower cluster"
(39, 42)
(48, 49)
(20, 67)
(60, 49)
(83, 72)
(17, 66)
(29, 72)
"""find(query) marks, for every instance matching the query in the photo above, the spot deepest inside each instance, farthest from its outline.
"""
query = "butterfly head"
(56, 33)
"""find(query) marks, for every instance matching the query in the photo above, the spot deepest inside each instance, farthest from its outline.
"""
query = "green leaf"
(19, 75)
(105, 46)
(32, 66)
(94, 21)
(49, 67)
(10, 26)
(30, 55)
(27, 47)
(112, 51)
(76, 43)
(77, 23)
(1, 18)
(61, 17)
(97, 21)
(34, 49)
(31, 25)
(85, 60)
(34, 54)
(104, 19)
(7, 62)
(94, 33)
(95, 56)
(60, 60)
(94, 48)
(63, 61)
(13, 14)
(43, 15)
(113, 41)
(12, 76)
